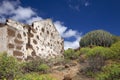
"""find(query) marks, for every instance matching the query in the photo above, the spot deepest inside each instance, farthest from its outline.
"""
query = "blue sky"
(72, 18)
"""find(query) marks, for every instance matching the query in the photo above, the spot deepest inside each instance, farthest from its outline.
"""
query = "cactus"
(98, 38)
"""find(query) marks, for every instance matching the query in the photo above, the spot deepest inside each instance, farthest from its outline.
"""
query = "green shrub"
(32, 66)
(35, 76)
(77, 54)
(116, 49)
(71, 54)
(97, 56)
(43, 67)
(9, 67)
(98, 38)
(116, 38)
(100, 51)
(109, 72)
(82, 53)
(84, 50)
(68, 54)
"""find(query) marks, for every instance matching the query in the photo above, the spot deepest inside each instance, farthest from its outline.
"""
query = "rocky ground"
(68, 72)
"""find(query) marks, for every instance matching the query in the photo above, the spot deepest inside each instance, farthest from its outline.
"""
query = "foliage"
(9, 66)
(97, 56)
(109, 72)
(116, 38)
(35, 76)
(98, 38)
(71, 54)
(84, 50)
(77, 54)
(100, 51)
(68, 53)
(43, 67)
(116, 49)
(34, 66)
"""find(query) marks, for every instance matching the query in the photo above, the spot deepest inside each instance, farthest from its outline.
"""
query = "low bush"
(96, 57)
(9, 67)
(68, 54)
(35, 76)
(116, 38)
(35, 65)
(116, 50)
(109, 72)
(71, 54)
(43, 67)
(84, 50)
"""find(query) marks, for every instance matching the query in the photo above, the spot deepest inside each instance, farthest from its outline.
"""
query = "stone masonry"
(27, 42)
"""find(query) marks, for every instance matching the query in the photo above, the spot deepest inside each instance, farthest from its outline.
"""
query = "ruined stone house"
(29, 41)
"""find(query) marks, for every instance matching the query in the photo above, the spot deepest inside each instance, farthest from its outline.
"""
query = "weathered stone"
(11, 32)
(42, 29)
(17, 53)
(30, 35)
(67, 77)
(2, 25)
(18, 41)
(10, 45)
(37, 37)
(33, 30)
(29, 58)
(67, 66)
(34, 41)
(29, 46)
(24, 34)
(19, 47)
(19, 35)
(33, 53)
(41, 39)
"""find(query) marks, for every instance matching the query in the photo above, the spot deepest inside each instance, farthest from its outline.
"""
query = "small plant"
(43, 67)
(68, 54)
(109, 72)
(9, 67)
(84, 50)
(32, 66)
(97, 56)
(116, 49)
(71, 54)
(116, 38)
(35, 76)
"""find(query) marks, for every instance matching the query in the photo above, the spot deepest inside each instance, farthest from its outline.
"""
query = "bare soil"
(69, 70)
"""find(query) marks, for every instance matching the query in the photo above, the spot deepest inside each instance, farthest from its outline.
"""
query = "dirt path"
(71, 72)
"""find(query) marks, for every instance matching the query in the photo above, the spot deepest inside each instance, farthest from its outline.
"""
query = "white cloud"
(77, 4)
(13, 9)
(60, 27)
(86, 4)
(22, 13)
(7, 8)
(75, 7)
(68, 33)
(34, 19)
(73, 44)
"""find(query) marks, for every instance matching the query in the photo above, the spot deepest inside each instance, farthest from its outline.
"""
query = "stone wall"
(28, 41)
(3, 38)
